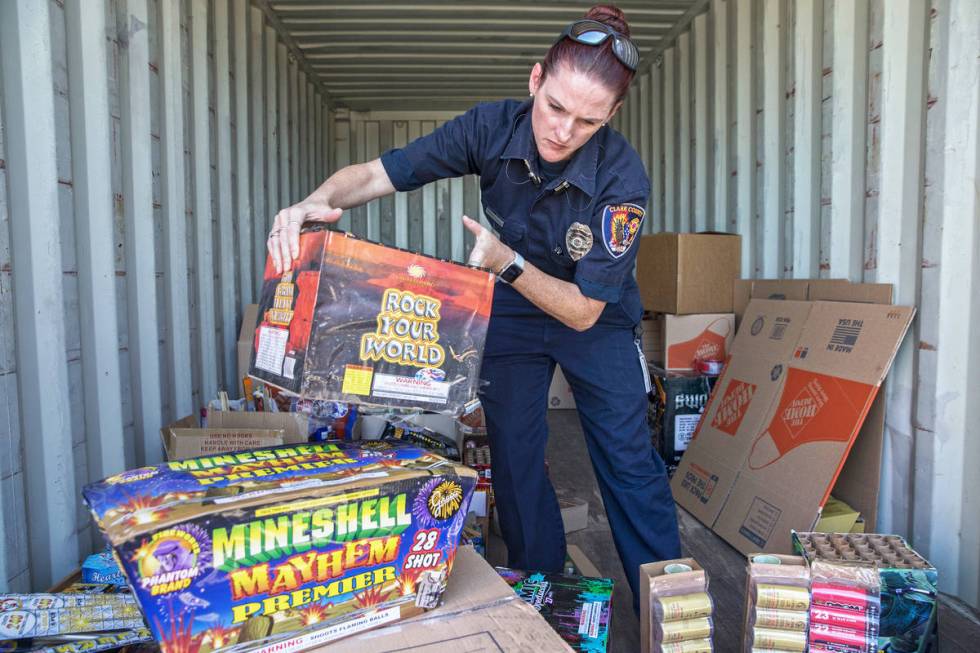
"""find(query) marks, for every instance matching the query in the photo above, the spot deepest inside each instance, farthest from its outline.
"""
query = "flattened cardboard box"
(355, 321)
(480, 612)
(784, 416)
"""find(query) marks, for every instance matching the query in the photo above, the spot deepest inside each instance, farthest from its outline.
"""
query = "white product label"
(410, 388)
(318, 637)
(272, 349)
(590, 620)
(288, 366)
(684, 427)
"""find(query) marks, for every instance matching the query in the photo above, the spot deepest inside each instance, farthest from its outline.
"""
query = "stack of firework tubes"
(680, 608)
(844, 609)
(777, 605)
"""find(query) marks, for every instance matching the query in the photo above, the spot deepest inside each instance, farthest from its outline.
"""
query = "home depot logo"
(709, 350)
(801, 410)
(732, 407)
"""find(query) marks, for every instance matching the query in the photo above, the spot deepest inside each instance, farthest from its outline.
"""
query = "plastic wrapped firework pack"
(777, 603)
(284, 548)
(675, 608)
(909, 583)
(844, 608)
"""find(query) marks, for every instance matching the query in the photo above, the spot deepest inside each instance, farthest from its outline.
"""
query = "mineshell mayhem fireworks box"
(784, 417)
(355, 321)
(286, 547)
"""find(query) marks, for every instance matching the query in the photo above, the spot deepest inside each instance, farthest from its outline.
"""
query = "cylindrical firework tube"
(852, 619)
(689, 646)
(781, 597)
(843, 638)
(846, 597)
(783, 640)
(679, 608)
(781, 619)
(679, 631)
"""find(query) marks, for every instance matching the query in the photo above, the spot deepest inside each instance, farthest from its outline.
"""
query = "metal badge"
(578, 240)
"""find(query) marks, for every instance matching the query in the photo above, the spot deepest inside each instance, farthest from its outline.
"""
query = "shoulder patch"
(620, 226)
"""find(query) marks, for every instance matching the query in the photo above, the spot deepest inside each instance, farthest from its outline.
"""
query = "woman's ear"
(534, 81)
(613, 111)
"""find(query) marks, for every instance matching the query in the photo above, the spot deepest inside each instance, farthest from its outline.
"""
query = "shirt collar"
(580, 171)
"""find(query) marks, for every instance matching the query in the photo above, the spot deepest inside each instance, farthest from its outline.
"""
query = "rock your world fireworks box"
(287, 547)
(355, 321)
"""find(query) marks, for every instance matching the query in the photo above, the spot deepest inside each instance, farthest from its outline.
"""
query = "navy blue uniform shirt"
(603, 190)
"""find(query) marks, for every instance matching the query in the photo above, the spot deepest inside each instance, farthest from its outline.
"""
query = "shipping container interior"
(146, 144)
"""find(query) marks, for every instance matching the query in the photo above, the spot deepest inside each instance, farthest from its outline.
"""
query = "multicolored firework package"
(286, 547)
(578, 608)
(355, 321)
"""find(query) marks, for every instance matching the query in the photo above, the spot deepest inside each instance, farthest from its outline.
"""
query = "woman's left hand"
(488, 251)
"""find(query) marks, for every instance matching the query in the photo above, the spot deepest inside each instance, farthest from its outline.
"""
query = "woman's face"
(569, 107)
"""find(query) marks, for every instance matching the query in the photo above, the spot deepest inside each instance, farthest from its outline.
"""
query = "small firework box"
(578, 608)
(286, 547)
(909, 583)
(358, 322)
(677, 403)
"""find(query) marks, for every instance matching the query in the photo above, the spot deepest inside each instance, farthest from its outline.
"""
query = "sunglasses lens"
(591, 37)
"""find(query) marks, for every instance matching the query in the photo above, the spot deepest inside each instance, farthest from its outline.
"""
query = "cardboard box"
(676, 408)
(652, 339)
(358, 322)
(254, 548)
(686, 339)
(785, 415)
(837, 517)
(246, 336)
(184, 439)
(649, 573)
(560, 392)
(295, 426)
(835, 290)
(688, 273)
(480, 612)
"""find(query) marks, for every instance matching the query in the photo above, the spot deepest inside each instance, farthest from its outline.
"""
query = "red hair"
(599, 61)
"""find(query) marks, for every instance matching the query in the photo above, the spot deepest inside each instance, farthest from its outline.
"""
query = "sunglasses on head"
(592, 32)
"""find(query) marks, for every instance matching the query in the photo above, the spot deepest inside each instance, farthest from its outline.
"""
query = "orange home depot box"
(688, 273)
(785, 415)
(687, 339)
(358, 322)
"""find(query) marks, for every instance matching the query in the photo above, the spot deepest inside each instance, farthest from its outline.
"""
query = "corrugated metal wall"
(143, 146)
(841, 140)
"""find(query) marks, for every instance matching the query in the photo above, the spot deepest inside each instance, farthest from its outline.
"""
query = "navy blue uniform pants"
(603, 367)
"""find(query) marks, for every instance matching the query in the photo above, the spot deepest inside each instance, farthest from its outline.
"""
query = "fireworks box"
(358, 322)
(909, 583)
(284, 548)
(480, 613)
(578, 608)
(676, 406)
(793, 417)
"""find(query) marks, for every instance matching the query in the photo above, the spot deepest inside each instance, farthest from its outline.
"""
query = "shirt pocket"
(512, 232)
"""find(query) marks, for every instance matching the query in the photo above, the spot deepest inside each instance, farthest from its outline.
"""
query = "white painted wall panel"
(855, 154)
(117, 170)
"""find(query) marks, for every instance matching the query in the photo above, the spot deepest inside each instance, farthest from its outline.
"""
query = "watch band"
(513, 269)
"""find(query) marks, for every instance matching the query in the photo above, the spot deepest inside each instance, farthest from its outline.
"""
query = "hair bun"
(611, 16)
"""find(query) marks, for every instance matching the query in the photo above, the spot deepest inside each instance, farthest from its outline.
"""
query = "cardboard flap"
(295, 425)
(867, 293)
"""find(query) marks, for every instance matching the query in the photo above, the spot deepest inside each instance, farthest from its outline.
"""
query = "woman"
(566, 196)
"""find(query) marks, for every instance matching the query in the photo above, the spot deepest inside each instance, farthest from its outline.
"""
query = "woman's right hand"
(283, 242)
